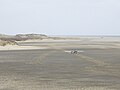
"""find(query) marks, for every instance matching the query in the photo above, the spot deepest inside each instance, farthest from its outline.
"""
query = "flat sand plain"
(97, 67)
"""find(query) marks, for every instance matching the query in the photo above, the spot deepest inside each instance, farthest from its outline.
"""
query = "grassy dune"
(4, 43)
(11, 39)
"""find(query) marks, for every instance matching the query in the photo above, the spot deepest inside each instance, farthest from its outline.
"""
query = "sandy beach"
(83, 42)
(49, 64)
(16, 47)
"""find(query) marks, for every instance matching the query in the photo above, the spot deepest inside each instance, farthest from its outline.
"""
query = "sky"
(60, 17)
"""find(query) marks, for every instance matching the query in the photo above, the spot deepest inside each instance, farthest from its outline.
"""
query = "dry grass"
(6, 42)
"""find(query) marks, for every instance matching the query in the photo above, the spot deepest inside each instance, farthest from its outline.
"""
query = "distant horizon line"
(65, 35)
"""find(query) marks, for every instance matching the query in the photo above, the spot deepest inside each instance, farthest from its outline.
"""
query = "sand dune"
(16, 47)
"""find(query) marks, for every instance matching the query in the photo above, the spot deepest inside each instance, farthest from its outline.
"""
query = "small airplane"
(74, 51)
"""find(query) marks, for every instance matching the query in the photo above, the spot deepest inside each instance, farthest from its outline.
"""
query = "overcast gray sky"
(60, 17)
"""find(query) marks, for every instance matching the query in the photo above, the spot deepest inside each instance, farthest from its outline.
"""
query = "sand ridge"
(16, 47)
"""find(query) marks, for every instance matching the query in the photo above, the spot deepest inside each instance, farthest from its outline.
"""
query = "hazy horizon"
(60, 17)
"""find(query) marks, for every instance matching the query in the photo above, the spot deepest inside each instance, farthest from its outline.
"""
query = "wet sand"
(52, 68)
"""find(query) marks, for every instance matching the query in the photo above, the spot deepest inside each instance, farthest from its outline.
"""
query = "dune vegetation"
(11, 39)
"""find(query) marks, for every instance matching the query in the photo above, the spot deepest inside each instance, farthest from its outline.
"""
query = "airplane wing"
(68, 51)
(77, 51)
(81, 51)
